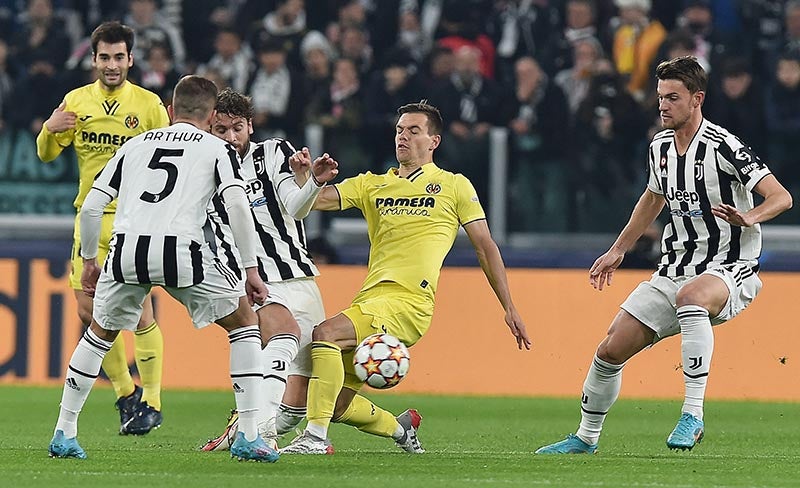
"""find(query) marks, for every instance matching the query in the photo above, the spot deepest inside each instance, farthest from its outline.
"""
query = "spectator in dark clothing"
(609, 125)
(286, 25)
(538, 119)
(317, 59)
(783, 123)
(580, 23)
(276, 92)
(161, 76)
(738, 104)
(439, 67)
(468, 104)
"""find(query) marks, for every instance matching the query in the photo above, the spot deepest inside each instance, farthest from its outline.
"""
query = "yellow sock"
(368, 417)
(327, 378)
(149, 345)
(115, 364)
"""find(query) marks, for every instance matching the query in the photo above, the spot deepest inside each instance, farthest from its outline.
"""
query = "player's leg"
(117, 306)
(647, 315)
(115, 363)
(246, 369)
(718, 294)
(281, 335)
(327, 378)
(149, 354)
(292, 410)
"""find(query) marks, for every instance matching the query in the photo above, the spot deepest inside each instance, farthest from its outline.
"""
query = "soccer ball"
(381, 361)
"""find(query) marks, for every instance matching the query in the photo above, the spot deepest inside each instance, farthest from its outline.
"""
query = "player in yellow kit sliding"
(413, 213)
(97, 119)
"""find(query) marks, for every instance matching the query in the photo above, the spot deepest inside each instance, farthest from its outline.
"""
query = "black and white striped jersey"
(281, 248)
(717, 168)
(164, 180)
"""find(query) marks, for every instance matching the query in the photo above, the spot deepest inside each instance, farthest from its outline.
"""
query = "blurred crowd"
(571, 80)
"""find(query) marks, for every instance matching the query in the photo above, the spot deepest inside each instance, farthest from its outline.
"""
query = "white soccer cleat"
(306, 443)
(410, 420)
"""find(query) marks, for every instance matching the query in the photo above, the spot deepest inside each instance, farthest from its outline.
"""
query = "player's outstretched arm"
(493, 267)
(60, 121)
(644, 213)
(298, 200)
(776, 201)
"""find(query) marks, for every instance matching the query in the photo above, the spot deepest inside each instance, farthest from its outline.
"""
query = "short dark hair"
(235, 104)
(112, 32)
(194, 97)
(685, 69)
(435, 123)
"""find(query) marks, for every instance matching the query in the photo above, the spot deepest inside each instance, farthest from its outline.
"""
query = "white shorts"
(117, 306)
(653, 302)
(302, 298)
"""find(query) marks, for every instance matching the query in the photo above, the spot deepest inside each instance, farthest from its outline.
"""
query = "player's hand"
(517, 327)
(324, 169)
(300, 161)
(61, 120)
(602, 270)
(89, 276)
(732, 216)
(255, 288)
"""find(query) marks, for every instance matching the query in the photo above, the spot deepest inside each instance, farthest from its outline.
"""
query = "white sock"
(247, 373)
(84, 366)
(600, 391)
(697, 347)
(288, 418)
(277, 356)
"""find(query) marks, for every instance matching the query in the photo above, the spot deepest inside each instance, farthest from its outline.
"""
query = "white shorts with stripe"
(117, 306)
(302, 298)
(653, 302)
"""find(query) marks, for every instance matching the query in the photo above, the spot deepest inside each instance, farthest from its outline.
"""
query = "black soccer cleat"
(127, 406)
(143, 421)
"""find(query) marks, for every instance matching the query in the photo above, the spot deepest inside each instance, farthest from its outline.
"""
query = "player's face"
(233, 130)
(675, 104)
(111, 63)
(412, 143)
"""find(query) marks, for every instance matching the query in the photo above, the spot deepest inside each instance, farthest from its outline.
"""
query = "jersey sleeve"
(157, 116)
(468, 206)
(743, 162)
(351, 192)
(49, 145)
(653, 179)
(279, 167)
(109, 179)
(228, 169)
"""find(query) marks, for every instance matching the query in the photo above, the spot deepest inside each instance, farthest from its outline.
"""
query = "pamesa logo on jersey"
(412, 206)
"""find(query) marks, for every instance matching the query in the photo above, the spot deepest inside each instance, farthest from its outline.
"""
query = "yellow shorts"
(102, 249)
(386, 308)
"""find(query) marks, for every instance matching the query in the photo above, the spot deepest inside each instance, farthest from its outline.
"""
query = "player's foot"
(143, 421)
(255, 450)
(687, 433)
(307, 443)
(127, 406)
(571, 445)
(224, 441)
(62, 447)
(410, 420)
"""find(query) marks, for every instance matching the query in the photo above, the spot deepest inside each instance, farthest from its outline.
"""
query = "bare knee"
(323, 332)
(610, 354)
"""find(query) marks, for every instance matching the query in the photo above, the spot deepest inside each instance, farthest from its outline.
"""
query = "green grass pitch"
(471, 441)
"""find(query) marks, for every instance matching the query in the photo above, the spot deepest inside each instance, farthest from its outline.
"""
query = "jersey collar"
(427, 167)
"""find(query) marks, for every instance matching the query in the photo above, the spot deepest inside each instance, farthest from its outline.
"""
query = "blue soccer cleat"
(62, 447)
(687, 433)
(571, 445)
(255, 450)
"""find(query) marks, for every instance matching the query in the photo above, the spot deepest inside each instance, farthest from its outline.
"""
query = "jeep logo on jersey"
(131, 121)
(683, 195)
(254, 186)
(405, 202)
(433, 188)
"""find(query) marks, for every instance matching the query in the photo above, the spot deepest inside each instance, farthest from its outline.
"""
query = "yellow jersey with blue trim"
(105, 121)
(412, 222)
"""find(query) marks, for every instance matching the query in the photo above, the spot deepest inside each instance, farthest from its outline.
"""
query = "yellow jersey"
(412, 222)
(105, 120)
